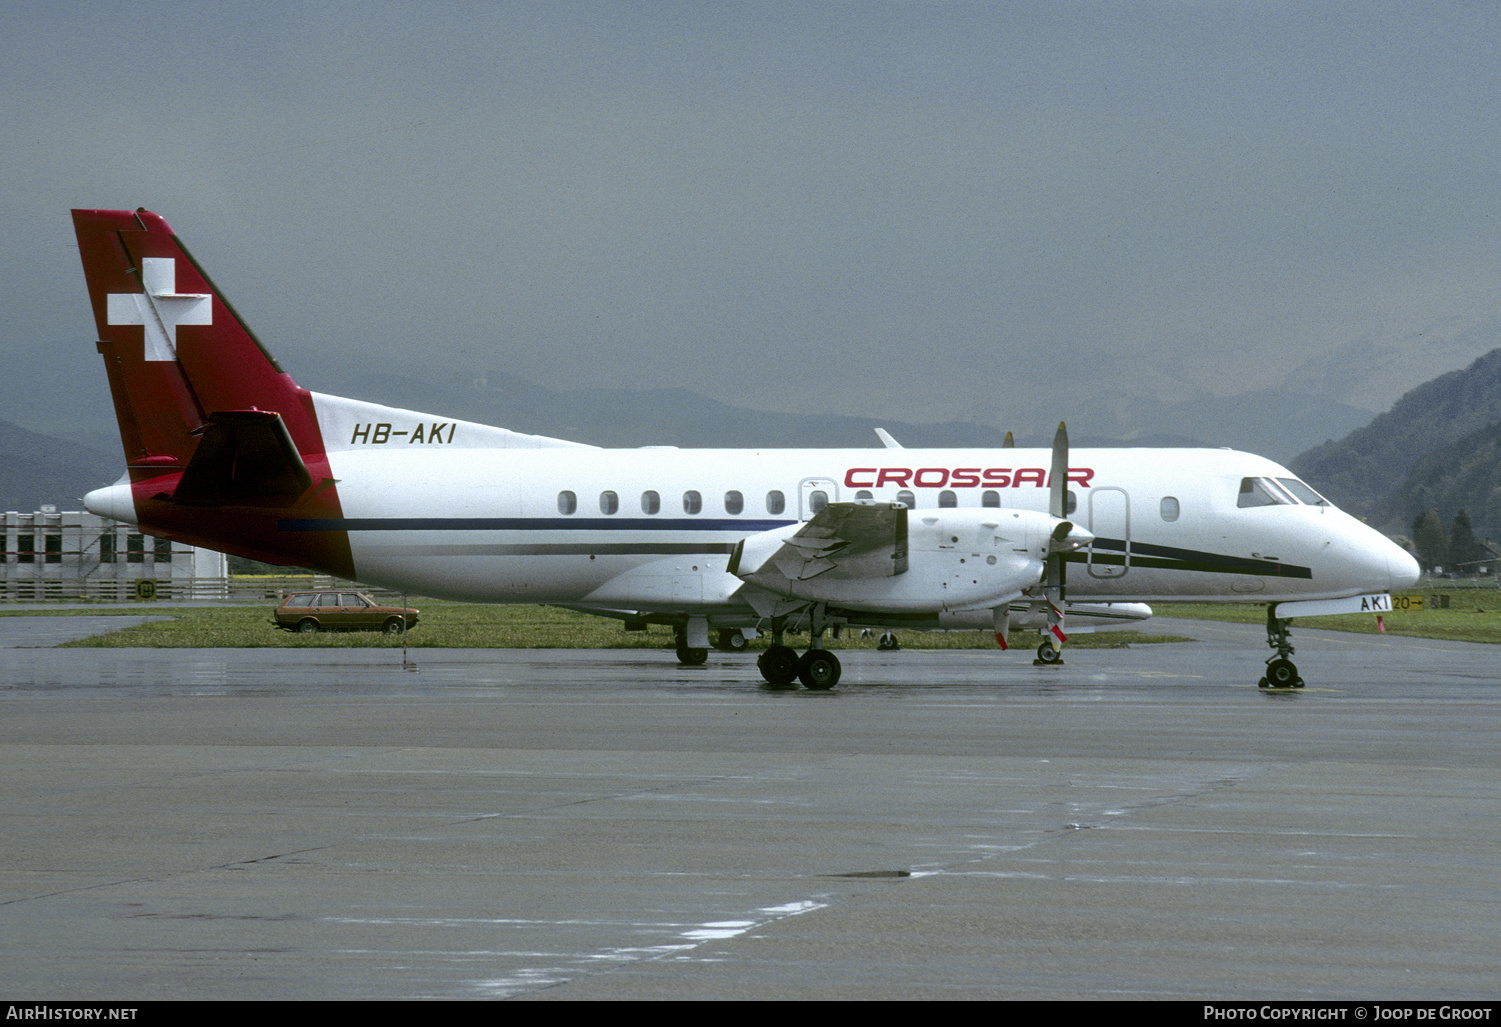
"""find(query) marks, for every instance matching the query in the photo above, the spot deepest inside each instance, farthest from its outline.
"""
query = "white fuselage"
(489, 524)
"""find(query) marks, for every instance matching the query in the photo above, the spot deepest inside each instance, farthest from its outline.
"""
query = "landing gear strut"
(1280, 671)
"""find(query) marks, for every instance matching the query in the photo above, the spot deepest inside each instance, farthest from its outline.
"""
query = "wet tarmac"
(552, 824)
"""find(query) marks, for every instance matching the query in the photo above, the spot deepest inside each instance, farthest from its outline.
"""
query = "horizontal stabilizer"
(244, 458)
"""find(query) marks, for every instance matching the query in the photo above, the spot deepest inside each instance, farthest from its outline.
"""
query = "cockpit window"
(1303, 492)
(1261, 492)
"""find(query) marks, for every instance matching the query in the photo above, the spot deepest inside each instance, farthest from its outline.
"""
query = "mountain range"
(39, 469)
(1438, 448)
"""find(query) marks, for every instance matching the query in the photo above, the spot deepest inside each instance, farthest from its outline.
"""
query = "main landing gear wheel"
(730, 640)
(779, 665)
(1281, 673)
(690, 657)
(1048, 654)
(819, 669)
(888, 642)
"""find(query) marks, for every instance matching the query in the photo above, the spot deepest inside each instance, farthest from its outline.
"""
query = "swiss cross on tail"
(161, 308)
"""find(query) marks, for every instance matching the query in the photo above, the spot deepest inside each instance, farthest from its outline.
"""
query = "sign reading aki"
(1375, 603)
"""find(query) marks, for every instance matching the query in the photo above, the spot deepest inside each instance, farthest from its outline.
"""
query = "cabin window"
(567, 502)
(650, 502)
(775, 502)
(1169, 508)
(946, 498)
(609, 502)
(692, 502)
(990, 497)
(907, 499)
(1070, 501)
(864, 494)
(1261, 492)
(817, 500)
(734, 502)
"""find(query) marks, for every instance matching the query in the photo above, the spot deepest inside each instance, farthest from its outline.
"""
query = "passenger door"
(1109, 556)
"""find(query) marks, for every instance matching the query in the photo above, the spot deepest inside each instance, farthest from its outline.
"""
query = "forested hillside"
(1439, 448)
(1465, 475)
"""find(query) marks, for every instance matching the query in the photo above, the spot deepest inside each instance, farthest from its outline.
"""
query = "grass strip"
(481, 626)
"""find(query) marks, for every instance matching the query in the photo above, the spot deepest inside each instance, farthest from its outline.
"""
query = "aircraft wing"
(843, 540)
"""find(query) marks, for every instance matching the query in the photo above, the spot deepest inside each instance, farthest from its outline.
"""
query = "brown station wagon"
(343, 610)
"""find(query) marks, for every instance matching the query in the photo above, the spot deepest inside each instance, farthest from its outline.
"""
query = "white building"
(52, 555)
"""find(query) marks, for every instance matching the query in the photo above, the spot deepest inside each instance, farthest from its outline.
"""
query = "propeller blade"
(1001, 618)
(1008, 442)
(1058, 495)
(1056, 581)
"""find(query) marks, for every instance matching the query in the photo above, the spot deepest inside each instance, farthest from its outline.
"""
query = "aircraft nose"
(1376, 563)
(1402, 568)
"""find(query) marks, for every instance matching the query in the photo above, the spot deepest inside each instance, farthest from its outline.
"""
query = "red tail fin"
(190, 380)
(175, 350)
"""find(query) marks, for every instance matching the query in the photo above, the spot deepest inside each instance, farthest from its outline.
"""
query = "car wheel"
(307, 627)
(393, 626)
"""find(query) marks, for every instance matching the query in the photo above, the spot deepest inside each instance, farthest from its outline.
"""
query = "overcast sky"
(926, 211)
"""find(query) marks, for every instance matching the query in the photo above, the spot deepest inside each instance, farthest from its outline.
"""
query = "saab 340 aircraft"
(225, 450)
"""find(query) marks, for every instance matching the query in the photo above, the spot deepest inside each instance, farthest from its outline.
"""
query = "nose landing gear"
(1048, 654)
(1281, 672)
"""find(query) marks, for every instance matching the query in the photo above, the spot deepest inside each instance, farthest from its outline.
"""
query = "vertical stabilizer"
(218, 439)
(175, 350)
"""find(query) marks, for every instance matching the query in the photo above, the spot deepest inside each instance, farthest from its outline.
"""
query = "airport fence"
(237, 588)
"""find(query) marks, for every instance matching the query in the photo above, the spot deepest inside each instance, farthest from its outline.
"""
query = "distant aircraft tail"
(207, 417)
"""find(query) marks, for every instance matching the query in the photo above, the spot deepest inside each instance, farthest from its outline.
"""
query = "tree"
(1464, 548)
(1428, 538)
